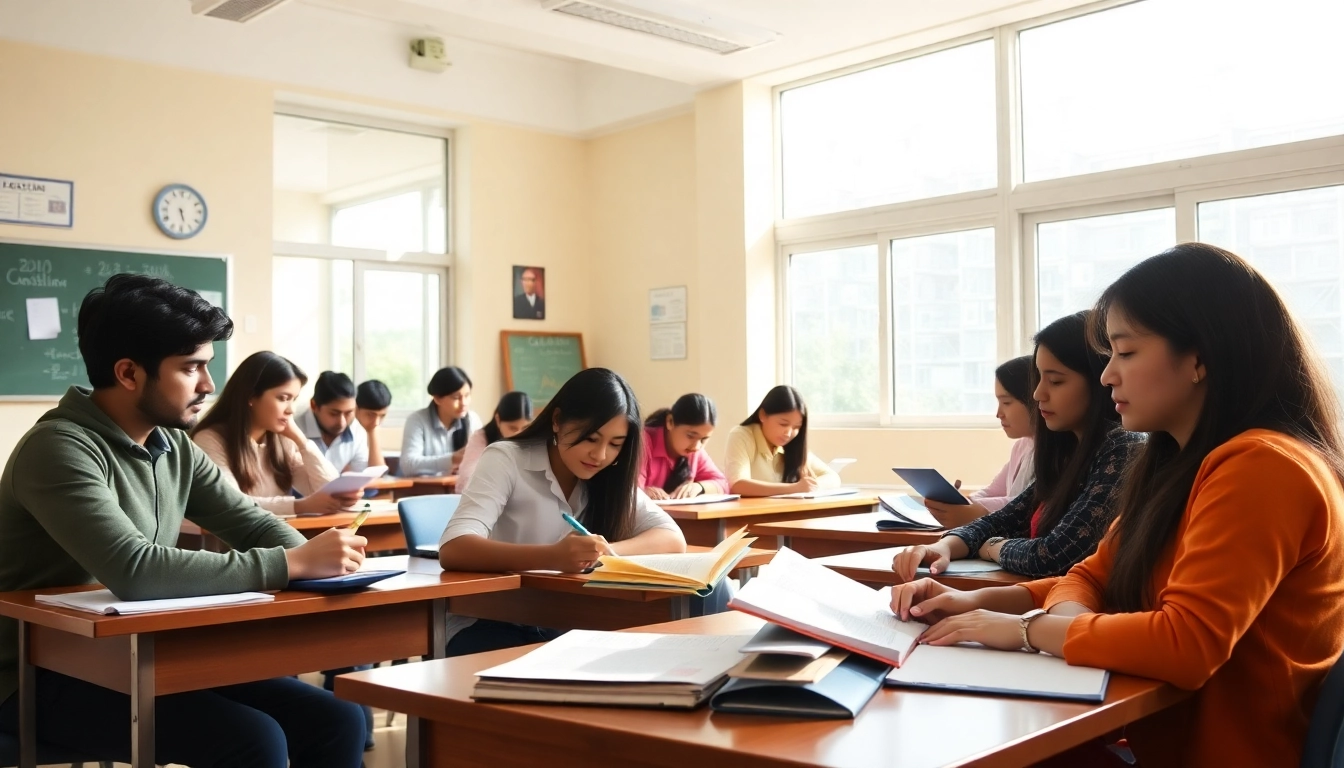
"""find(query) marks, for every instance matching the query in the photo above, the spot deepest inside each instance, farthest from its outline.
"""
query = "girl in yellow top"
(768, 454)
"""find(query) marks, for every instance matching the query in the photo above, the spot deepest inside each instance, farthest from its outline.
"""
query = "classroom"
(881, 205)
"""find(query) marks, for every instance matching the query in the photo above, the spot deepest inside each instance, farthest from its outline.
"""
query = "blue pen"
(578, 527)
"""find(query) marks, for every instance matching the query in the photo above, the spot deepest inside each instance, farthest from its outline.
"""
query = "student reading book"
(434, 438)
(676, 465)
(767, 454)
(1224, 573)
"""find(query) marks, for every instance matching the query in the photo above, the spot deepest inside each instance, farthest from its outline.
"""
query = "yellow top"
(752, 457)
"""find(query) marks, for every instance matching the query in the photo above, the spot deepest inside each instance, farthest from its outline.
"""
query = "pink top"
(658, 465)
(1012, 480)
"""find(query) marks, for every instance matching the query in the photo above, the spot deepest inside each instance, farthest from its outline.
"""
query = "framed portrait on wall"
(529, 293)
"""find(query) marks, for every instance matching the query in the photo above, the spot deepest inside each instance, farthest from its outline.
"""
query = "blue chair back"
(423, 519)
(1325, 736)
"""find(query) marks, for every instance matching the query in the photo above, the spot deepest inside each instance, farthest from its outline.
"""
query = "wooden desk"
(382, 528)
(561, 601)
(838, 535)
(708, 524)
(425, 486)
(899, 727)
(388, 486)
(873, 567)
(163, 653)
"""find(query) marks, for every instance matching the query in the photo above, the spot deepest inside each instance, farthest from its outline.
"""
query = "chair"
(1324, 747)
(9, 754)
(423, 519)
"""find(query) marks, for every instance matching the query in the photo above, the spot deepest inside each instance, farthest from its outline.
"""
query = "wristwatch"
(1025, 620)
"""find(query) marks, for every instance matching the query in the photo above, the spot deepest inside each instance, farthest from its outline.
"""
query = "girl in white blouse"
(579, 456)
(250, 433)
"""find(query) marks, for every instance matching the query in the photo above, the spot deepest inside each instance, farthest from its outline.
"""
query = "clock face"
(179, 211)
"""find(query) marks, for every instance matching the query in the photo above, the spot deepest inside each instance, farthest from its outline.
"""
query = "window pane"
(391, 224)
(908, 130)
(312, 314)
(833, 310)
(1076, 259)
(942, 290)
(396, 333)
(1297, 240)
(1167, 79)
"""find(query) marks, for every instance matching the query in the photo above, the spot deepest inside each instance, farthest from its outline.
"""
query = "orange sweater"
(1249, 608)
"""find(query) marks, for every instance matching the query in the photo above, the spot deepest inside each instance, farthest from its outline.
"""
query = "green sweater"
(80, 502)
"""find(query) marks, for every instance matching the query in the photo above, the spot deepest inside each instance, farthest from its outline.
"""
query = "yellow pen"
(359, 519)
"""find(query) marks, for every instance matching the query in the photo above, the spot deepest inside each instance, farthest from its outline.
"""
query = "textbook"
(687, 573)
(775, 640)
(820, 493)
(104, 602)
(704, 498)
(640, 669)
(349, 482)
(906, 514)
(976, 669)
(841, 692)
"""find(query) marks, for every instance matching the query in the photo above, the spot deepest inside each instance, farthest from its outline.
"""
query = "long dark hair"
(512, 407)
(589, 400)
(232, 416)
(691, 410)
(783, 399)
(1015, 377)
(1062, 459)
(1260, 373)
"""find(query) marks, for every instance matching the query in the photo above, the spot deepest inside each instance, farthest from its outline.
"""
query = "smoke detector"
(668, 20)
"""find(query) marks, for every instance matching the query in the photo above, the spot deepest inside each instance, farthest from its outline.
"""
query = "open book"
(906, 514)
(104, 602)
(349, 482)
(688, 573)
(820, 493)
(976, 669)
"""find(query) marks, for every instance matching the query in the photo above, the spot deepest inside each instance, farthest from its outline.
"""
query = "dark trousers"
(267, 724)
(489, 635)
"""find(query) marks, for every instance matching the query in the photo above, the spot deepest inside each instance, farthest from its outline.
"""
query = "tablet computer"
(931, 485)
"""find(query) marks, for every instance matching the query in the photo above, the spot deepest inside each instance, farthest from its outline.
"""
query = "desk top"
(387, 483)
(908, 728)
(874, 566)
(759, 506)
(442, 481)
(383, 513)
(861, 528)
(416, 584)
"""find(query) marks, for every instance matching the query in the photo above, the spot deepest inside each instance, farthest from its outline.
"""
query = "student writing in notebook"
(1224, 572)
(512, 416)
(97, 491)
(767, 454)
(579, 456)
(331, 424)
(1080, 454)
(251, 434)
(675, 464)
(434, 438)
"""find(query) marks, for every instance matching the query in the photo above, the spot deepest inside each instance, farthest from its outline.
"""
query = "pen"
(359, 519)
(578, 527)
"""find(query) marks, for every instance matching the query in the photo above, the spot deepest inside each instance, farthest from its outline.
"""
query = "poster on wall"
(667, 305)
(529, 293)
(36, 201)
(667, 341)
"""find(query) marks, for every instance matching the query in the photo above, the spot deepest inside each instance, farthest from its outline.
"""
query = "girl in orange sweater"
(1224, 572)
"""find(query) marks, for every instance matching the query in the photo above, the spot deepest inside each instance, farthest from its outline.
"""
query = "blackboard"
(47, 368)
(539, 363)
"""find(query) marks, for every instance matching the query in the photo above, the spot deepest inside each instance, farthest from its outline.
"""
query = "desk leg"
(27, 703)
(142, 701)
(438, 639)
(680, 607)
(746, 574)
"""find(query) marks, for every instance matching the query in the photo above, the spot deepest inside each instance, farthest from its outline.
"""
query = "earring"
(1196, 378)
(555, 439)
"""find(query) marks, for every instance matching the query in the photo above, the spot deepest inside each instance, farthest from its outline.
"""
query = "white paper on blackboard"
(44, 319)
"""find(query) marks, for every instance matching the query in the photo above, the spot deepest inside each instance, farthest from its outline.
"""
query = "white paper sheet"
(44, 319)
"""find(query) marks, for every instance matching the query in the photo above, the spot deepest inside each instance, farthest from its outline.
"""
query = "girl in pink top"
(675, 464)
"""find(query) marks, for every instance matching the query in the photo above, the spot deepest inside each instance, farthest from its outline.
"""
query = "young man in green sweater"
(97, 490)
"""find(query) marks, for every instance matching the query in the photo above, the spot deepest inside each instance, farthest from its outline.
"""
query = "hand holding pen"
(579, 551)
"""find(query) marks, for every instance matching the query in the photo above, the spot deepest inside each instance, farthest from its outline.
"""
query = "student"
(579, 456)
(1012, 388)
(96, 492)
(372, 402)
(675, 464)
(1080, 453)
(250, 433)
(434, 439)
(1224, 573)
(767, 454)
(512, 415)
(331, 424)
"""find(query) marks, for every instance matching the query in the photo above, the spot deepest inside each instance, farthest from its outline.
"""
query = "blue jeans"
(267, 724)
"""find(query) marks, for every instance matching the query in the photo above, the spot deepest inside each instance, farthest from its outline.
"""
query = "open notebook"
(689, 573)
(104, 602)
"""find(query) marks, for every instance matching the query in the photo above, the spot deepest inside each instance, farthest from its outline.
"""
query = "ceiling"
(809, 30)
(336, 161)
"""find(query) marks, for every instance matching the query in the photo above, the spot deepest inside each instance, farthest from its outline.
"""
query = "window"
(1077, 258)
(402, 309)
(1168, 79)
(942, 302)
(1297, 240)
(835, 331)
(911, 129)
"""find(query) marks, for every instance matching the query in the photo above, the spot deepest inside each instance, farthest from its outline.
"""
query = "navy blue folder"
(841, 694)
(347, 583)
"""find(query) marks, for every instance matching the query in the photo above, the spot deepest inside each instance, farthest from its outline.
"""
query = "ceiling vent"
(668, 20)
(235, 10)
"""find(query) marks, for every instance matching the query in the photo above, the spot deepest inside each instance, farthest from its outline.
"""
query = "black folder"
(841, 694)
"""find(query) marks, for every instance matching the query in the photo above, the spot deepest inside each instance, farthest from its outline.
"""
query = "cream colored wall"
(300, 217)
(121, 131)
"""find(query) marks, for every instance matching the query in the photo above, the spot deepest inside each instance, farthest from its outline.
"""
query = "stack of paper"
(104, 602)
(616, 668)
(906, 514)
(688, 573)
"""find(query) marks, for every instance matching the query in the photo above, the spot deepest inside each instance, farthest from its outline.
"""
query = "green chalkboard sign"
(42, 286)
(539, 363)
